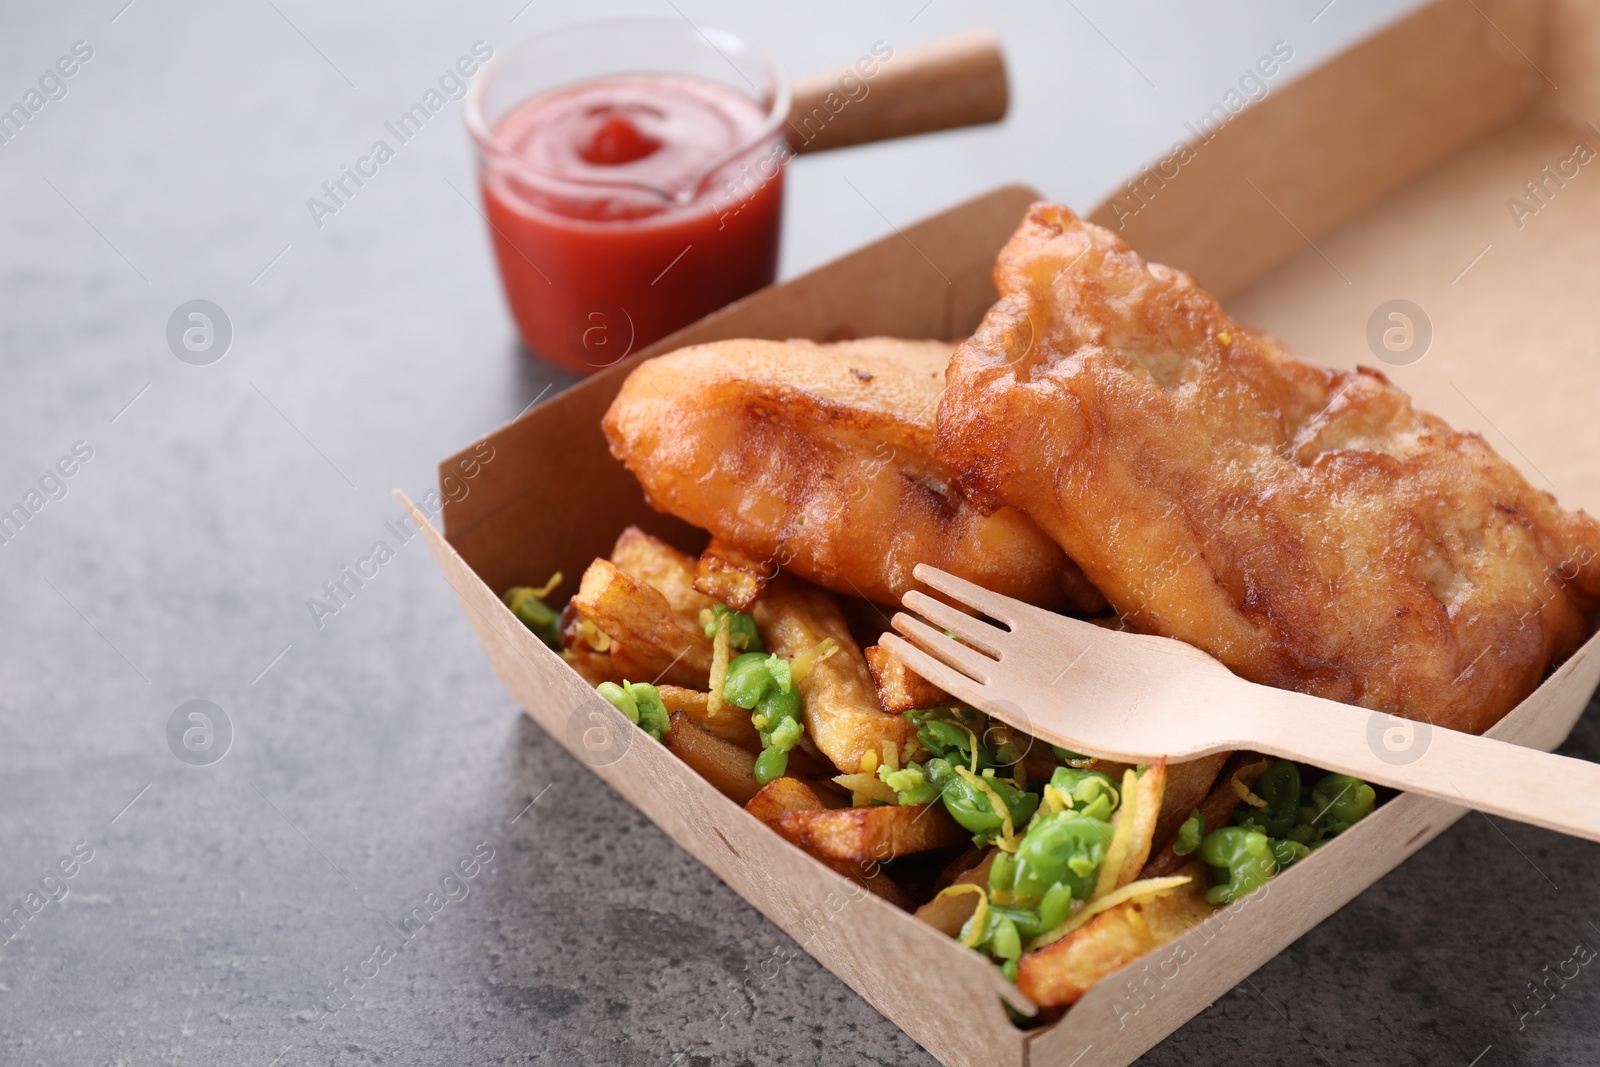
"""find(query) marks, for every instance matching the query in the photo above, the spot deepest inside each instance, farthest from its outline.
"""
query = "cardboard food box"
(1436, 163)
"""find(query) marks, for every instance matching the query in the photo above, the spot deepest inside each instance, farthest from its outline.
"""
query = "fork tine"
(971, 630)
(962, 591)
(969, 661)
(947, 678)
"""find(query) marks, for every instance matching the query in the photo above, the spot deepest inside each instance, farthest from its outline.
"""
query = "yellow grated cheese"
(1117, 851)
(801, 665)
(1146, 889)
(1243, 791)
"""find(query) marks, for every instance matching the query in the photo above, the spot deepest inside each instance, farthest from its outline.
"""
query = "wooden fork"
(1134, 698)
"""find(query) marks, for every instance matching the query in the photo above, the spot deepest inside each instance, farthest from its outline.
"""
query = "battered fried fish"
(1309, 528)
(819, 459)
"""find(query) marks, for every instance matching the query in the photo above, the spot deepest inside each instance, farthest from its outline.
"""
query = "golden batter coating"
(819, 459)
(1309, 528)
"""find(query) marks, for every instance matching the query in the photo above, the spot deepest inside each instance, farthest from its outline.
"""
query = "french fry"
(729, 723)
(725, 765)
(725, 573)
(1218, 808)
(900, 688)
(1145, 809)
(951, 911)
(650, 642)
(656, 563)
(1064, 970)
(841, 704)
(783, 795)
(866, 835)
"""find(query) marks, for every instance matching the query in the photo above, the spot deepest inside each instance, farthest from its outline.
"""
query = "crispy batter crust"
(1310, 528)
(819, 459)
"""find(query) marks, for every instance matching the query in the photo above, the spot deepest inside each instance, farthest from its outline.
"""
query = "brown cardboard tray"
(1386, 173)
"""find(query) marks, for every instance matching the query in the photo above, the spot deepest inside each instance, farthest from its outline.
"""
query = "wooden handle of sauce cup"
(896, 92)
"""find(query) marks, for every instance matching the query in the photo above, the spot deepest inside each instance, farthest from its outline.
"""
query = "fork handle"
(1555, 792)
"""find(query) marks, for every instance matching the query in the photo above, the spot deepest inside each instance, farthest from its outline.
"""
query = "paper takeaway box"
(1436, 163)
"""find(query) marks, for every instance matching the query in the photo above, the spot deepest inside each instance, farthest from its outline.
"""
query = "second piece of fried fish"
(1309, 528)
(819, 459)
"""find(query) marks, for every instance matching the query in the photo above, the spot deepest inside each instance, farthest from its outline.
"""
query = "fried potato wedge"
(900, 688)
(842, 715)
(950, 912)
(781, 796)
(730, 575)
(1136, 827)
(729, 768)
(1063, 971)
(655, 563)
(1217, 807)
(784, 795)
(872, 834)
(650, 641)
(727, 722)
(1188, 784)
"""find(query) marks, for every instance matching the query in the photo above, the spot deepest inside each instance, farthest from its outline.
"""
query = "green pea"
(785, 735)
(1099, 808)
(1280, 788)
(1190, 834)
(1050, 913)
(742, 633)
(999, 936)
(1288, 853)
(780, 712)
(641, 703)
(535, 614)
(1005, 942)
(911, 784)
(778, 667)
(1341, 801)
(1002, 871)
(653, 718)
(1053, 909)
(1084, 787)
(771, 764)
(971, 807)
(620, 699)
(1061, 849)
(946, 739)
(1241, 860)
(748, 679)
(949, 732)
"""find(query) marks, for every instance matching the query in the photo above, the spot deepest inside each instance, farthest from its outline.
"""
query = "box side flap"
(553, 471)
(1313, 154)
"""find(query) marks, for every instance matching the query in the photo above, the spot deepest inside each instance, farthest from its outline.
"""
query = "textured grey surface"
(378, 752)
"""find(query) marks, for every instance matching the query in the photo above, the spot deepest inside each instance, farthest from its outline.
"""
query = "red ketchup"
(624, 208)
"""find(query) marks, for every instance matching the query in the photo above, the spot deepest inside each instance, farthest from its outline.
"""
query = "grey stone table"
(173, 913)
